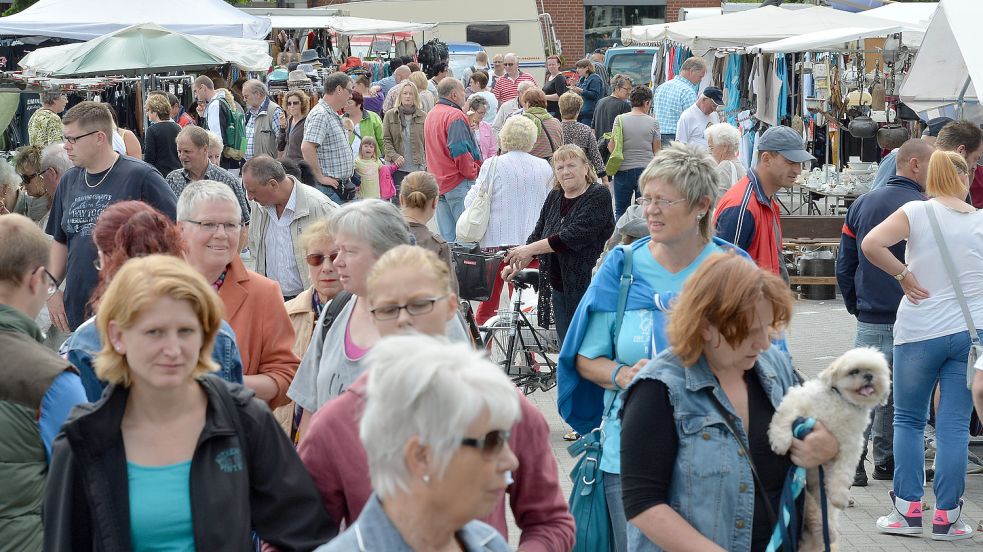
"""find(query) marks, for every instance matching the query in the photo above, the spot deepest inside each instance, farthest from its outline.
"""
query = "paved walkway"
(821, 331)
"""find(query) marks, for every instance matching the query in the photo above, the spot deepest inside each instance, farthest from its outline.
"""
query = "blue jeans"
(330, 192)
(449, 209)
(880, 337)
(917, 366)
(625, 184)
(616, 511)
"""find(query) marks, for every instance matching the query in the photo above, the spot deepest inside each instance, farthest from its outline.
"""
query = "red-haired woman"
(126, 230)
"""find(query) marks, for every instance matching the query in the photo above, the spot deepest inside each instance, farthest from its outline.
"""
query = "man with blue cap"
(747, 215)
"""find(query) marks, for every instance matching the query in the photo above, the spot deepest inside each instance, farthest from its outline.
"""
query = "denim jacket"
(374, 531)
(81, 348)
(712, 487)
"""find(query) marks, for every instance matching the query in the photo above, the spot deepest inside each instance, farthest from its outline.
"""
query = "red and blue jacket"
(749, 219)
(452, 153)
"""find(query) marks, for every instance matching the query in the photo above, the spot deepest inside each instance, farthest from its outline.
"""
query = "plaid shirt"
(325, 130)
(253, 114)
(671, 99)
(178, 180)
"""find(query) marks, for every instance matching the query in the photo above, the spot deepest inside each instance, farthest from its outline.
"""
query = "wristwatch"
(902, 275)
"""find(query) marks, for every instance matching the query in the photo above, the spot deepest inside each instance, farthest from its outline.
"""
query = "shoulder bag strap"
(951, 271)
(547, 133)
(490, 179)
(626, 281)
(758, 486)
(333, 310)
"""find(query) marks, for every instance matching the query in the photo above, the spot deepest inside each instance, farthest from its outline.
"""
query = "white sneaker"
(898, 523)
(947, 525)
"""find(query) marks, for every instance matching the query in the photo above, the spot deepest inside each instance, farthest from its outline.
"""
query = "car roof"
(464, 47)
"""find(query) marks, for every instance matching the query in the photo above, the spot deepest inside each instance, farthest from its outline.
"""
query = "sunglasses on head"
(491, 444)
(317, 259)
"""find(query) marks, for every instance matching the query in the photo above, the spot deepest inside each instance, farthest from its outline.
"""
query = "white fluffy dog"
(841, 397)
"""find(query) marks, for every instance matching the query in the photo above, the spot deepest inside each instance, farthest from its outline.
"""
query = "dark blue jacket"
(871, 294)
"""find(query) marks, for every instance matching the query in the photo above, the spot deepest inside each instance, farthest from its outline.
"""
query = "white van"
(501, 26)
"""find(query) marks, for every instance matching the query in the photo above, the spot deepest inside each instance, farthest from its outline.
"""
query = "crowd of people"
(213, 348)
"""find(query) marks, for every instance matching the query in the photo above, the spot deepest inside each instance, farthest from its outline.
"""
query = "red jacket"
(452, 153)
(334, 456)
(749, 219)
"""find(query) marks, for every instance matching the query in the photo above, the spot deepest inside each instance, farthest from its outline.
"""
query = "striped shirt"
(281, 264)
(325, 130)
(507, 88)
(671, 99)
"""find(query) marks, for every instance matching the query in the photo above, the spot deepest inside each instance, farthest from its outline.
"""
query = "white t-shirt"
(691, 125)
(940, 315)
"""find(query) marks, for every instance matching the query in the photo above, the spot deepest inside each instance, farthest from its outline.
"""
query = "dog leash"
(794, 483)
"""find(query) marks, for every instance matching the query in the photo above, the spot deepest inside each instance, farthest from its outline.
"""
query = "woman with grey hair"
(435, 430)
(484, 134)
(363, 231)
(45, 126)
(12, 198)
(210, 219)
(518, 183)
(678, 191)
(724, 141)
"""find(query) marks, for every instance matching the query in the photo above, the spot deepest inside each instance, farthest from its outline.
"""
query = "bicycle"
(521, 349)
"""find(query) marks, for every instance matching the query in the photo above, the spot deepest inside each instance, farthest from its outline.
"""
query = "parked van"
(500, 27)
(633, 61)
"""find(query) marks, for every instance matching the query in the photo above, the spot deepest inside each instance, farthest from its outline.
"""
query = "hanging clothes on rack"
(732, 87)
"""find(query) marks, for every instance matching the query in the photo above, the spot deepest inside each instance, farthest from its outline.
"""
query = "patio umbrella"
(142, 50)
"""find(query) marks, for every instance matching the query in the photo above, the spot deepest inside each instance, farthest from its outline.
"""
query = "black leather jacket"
(244, 474)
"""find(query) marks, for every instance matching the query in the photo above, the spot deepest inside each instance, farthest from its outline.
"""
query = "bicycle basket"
(476, 271)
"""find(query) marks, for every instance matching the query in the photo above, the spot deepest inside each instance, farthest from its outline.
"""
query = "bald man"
(871, 294)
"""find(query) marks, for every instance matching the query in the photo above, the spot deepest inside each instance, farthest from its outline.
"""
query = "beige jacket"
(312, 205)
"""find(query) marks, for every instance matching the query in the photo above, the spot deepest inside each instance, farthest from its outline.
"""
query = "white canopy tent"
(829, 40)
(751, 27)
(948, 68)
(88, 19)
(144, 49)
(912, 13)
(346, 25)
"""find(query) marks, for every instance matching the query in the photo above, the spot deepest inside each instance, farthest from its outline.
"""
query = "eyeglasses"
(52, 281)
(73, 139)
(212, 227)
(491, 444)
(660, 203)
(293, 103)
(416, 308)
(26, 178)
(510, 65)
(317, 259)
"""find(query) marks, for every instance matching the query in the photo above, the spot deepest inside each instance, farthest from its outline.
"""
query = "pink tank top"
(352, 350)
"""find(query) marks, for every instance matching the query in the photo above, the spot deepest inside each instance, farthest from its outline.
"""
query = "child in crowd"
(373, 177)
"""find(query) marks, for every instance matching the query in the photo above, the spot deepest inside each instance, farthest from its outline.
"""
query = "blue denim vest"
(712, 487)
(81, 348)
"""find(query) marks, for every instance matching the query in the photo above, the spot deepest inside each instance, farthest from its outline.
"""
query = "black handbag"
(346, 189)
(476, 270)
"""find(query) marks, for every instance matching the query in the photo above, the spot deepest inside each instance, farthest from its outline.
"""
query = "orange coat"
(254, 308)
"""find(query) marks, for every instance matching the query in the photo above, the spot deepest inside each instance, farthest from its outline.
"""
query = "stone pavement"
(820, 331)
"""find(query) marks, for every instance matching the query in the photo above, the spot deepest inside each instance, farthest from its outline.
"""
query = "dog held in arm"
(841, 397)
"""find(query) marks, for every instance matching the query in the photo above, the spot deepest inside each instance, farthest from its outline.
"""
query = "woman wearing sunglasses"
(292, 125)
(409, 292)
(305, 309)
(435, 431)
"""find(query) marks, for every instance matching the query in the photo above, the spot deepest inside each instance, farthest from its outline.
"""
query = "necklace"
(85, 175)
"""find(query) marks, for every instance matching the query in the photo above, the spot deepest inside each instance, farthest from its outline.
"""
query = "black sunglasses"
(491, 444)
(317, 259)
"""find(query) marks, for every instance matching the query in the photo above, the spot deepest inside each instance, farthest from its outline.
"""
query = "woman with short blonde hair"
(427, 99)
(152, 439)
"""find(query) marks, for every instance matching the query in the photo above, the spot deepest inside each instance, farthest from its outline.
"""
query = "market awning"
(750, 27)
(144, 49)
(948, 68)
(88, 19)
(829, 40)
(346, 25)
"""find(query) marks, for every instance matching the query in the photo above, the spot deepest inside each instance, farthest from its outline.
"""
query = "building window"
(489, 34)
(603, 24)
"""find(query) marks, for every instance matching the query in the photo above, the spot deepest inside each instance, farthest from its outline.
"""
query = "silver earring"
(426, 479)
(699, 218)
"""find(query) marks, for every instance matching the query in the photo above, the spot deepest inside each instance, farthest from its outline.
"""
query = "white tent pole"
(962, 97)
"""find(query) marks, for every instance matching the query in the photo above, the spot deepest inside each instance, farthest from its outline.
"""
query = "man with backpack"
(223, 120)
